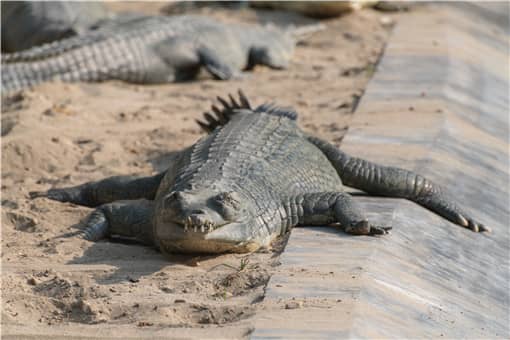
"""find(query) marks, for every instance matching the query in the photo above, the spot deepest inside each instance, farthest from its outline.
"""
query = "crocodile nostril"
(197, 212)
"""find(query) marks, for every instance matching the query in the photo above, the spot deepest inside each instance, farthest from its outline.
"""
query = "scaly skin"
(252, 178)
(26, 24)
(394, 182)
(149, 50)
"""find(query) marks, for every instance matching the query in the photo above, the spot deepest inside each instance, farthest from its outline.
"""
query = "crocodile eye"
(172, 198)
(229, 199)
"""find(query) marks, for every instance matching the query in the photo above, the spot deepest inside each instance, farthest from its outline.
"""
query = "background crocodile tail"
(17, 76)
(86, 63)
(51, 49)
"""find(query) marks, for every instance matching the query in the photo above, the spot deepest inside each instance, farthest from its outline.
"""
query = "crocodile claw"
(469, 223)
(477, 227)
(53, 194)
(37, 194)
(62, 195)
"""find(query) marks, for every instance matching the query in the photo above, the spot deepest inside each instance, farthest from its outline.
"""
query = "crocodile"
(152, 50)
(253, 177)
(30, 23)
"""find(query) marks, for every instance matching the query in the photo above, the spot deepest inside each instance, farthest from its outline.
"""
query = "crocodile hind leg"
(93, 194)
(327, 208)
(394, 182)
(126, 219)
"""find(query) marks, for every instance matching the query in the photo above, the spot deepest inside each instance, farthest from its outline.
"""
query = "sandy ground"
(64, 134)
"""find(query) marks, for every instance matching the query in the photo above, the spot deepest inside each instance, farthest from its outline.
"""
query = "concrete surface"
(438, 105)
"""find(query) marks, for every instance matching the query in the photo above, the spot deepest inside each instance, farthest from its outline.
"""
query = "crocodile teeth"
(195, 228)
(186, 227)
(202, 228)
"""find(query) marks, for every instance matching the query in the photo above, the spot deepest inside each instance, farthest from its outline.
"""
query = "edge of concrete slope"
(438, 104)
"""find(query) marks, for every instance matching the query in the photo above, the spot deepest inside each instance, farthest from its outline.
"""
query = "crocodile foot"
(97, 226)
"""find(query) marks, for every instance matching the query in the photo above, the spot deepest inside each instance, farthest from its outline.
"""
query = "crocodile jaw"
(193, 225)
(187, 238)
(209, 247)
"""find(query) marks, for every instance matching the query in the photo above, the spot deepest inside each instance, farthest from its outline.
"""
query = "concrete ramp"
(438, 104)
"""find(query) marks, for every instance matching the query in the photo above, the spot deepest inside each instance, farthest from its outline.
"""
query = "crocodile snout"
(198, 223)
(184, 209)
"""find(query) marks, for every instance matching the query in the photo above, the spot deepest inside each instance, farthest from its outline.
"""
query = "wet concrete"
(438, 105)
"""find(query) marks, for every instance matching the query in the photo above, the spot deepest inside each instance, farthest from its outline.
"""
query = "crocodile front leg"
(394, 182)
(215, 65)
(93, 194)
(327, 208)
(186, 56)
(127, 219)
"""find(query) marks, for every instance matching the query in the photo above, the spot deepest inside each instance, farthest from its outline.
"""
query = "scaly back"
(257, 151)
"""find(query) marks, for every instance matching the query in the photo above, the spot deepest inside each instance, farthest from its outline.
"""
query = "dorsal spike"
(225, 104)
(206, 127)
(233, 101)
(221, 116)
(210, 119)
(244, 101)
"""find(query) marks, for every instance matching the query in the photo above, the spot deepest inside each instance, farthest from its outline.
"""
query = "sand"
(56, 284)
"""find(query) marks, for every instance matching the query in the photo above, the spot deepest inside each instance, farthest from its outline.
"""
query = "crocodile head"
(270, 47)
(273, 46)
(206, 221)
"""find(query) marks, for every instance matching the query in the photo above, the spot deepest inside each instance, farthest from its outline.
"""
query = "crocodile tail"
(221, 116)
(18, 76)
(52, 49)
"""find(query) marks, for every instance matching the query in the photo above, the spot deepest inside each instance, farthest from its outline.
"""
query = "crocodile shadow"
(129, 259)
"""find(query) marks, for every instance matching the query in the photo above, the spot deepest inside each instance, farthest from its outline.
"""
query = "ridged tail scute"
(221, 116)
(52, 49)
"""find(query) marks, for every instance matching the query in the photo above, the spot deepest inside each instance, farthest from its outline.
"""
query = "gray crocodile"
(150, 50)
(30, 23)
(252, 178)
